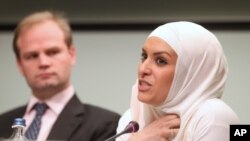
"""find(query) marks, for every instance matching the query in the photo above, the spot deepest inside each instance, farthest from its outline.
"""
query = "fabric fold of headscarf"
(200, 74)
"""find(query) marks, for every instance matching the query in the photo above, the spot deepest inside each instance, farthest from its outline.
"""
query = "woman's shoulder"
(212, 121)
(217, 112)
(123, 122)
(126, 117)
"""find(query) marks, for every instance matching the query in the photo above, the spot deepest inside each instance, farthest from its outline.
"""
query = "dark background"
(133, 14)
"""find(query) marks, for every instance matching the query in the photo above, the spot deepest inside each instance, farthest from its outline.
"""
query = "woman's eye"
(161, 61)
(143, 56)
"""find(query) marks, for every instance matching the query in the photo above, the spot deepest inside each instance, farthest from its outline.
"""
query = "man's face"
(45, 59)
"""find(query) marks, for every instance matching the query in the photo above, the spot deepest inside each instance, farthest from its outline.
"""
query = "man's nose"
(44, 60)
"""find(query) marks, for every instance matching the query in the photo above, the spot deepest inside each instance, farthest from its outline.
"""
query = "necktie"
(35, 126)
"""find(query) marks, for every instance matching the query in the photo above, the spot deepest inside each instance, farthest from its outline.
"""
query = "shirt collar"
(55, 103)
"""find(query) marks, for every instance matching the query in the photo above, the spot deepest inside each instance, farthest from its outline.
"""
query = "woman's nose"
(145, 68)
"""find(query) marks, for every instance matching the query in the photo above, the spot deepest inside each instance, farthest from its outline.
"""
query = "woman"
(183, 71)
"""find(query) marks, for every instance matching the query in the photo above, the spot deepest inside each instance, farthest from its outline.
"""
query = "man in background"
(45, 56)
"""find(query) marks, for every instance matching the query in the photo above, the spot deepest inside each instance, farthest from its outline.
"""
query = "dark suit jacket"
(77, 122)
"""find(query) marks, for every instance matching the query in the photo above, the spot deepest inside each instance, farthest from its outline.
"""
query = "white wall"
(107, 68)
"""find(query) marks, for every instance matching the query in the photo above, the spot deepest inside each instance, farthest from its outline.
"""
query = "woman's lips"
(144, 86)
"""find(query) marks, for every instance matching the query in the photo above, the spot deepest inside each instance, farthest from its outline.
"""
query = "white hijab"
(200, 74)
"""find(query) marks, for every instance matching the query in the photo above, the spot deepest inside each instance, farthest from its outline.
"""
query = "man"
(45, 56)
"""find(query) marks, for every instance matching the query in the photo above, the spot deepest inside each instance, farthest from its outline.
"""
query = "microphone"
(132, 127)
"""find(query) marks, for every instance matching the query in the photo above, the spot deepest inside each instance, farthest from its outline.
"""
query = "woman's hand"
(162, 129)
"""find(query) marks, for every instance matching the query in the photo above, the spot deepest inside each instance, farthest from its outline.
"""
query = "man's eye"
(30, 56)
(52, 52)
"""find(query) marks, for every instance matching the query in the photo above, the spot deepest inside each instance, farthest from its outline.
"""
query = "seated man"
(45, 56)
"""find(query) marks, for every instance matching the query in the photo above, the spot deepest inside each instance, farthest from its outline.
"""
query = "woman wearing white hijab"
(183, 71)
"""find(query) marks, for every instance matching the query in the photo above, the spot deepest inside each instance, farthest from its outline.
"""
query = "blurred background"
(109, 35)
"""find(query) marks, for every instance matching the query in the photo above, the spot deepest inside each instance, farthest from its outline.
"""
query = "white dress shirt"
(55, 104)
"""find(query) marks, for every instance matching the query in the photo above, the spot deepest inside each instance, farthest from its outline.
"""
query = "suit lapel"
(70, 118)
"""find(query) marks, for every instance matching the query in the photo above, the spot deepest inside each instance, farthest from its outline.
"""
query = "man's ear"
(72, 51)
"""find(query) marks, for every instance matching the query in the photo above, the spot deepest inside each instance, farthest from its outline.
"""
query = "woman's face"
(156, 71)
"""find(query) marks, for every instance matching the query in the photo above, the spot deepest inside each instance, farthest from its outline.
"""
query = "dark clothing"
(77, 122)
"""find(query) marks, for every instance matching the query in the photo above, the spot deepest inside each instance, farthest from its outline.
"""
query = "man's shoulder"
(100, 111)
(15, 113)
(89, 110)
